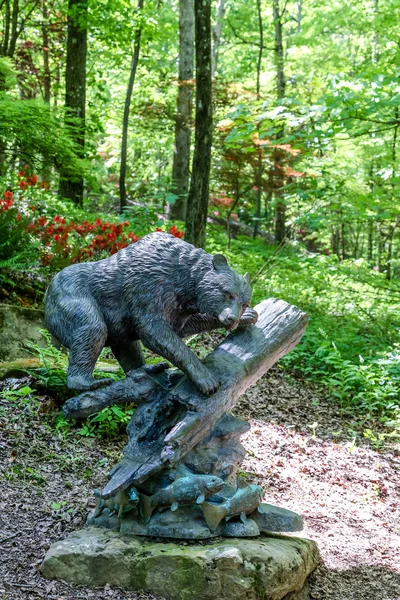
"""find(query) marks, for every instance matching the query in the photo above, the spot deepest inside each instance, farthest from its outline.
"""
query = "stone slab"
(17, 326)
(269, 567)
(273, 518)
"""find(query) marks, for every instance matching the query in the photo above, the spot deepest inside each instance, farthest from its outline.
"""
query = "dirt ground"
(299, 450)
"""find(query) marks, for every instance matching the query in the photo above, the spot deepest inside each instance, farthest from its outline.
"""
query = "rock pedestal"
(268, 567)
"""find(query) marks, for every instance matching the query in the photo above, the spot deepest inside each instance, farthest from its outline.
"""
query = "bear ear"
(219, 262)
(247, 277)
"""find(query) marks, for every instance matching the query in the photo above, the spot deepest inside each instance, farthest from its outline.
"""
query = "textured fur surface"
(158, 290)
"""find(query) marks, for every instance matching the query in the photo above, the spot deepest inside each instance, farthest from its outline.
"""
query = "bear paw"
(249, 317)
(85, 384)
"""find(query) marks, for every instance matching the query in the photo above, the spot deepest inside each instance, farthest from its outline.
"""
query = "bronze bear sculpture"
(158, 290)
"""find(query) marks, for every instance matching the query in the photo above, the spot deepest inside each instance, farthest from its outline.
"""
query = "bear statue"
(157, 291)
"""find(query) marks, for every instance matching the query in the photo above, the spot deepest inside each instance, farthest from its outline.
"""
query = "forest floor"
(299, 451)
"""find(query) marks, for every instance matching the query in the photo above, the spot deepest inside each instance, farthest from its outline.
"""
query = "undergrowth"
(51, 376)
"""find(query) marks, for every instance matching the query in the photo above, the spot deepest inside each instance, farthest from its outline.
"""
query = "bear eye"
(229, 296)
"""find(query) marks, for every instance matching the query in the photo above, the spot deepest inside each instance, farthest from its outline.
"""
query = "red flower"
(175, 232)
(32, 180)
(18, 217)
(8, 195)
(22, 185)
(32, 208)
(57, 238)
(42, 221)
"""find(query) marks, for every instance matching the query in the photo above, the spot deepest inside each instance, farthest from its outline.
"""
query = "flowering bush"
(62, 241)
(14, 240)
(173, 231)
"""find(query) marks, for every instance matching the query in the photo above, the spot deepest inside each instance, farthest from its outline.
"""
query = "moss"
(17, 368)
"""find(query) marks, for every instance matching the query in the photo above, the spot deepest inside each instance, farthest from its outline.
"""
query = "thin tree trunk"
(391, 231)
(46, 170)
(389, 254)
(181, 162)
(343, 240)
(299, 14)
(56, 86)
(125, 121)
(7, 25)
(45, 40)
(280, 206)
(14, 29)
(370, 241)
(217, 32)
(335, 241)
(381, 246)
(75, 91)
(281, 81)
(196, 218)
(259, 171)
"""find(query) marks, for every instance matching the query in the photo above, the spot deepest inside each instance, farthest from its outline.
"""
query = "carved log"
(164, 430)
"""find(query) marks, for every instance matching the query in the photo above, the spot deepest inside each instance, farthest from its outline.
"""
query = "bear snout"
(228, 319)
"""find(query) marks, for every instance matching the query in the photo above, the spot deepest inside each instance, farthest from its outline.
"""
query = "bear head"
(223, 294)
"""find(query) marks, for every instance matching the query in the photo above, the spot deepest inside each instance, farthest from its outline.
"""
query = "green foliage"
(109, 422)
(34, 128)
(15, 243)
(349, 345)
(52, 376)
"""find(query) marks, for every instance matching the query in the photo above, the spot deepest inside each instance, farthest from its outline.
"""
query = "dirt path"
(349, 495)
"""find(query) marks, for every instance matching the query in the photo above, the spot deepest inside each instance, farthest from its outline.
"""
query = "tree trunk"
(343, 240)
(259, 170)
(7, 25)
(335, 241)
(370, 241)
(217, 32)
(14, 29)
(299, 14)
(75, 91)
(125, 121)
(181, 163)
(196, 218)
(389, 254)
(45, 40)
(381, 246)
(280, 206)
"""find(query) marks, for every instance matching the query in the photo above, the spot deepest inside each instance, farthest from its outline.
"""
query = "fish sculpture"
(183, 491)
(123, 502)
(244, 501)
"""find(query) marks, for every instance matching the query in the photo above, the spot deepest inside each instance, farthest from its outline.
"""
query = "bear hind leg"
(83, 354)
(129, 355)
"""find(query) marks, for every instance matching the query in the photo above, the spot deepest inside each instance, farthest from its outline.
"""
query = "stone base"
(269, 567)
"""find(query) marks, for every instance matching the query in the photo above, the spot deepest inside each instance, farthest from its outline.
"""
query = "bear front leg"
(84, 351)
(160, 338)
(198, 324)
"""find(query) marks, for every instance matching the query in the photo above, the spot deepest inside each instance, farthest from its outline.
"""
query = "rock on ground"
(247, 569)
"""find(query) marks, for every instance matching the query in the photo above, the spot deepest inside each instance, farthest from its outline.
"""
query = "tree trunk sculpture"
(184, 451)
